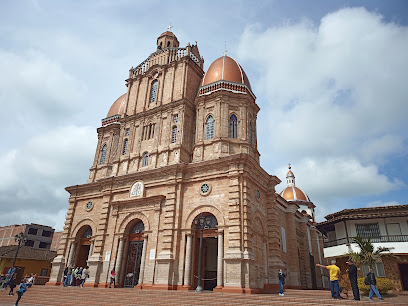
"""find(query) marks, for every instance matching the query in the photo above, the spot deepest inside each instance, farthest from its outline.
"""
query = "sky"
(330, 79)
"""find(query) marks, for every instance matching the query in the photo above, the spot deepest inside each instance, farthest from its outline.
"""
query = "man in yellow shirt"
(334, 279)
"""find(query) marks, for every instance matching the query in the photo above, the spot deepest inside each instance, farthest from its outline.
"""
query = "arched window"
(103, 154)
(233, 127)
(145, 160)
(250, 132)
(138, 228)
(88, 233)
(168, 44)
(174, 134)
(125, 146)
(153, 91)
(209, 128)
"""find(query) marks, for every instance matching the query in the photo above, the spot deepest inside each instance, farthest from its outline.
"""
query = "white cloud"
(333, 101)
(35, 175)
(382, 203)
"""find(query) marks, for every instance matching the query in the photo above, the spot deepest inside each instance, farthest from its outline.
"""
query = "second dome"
(225, 68)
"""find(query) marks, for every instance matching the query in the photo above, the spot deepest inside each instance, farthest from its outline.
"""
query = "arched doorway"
(134, 255)
(84, 246)
(209, 252)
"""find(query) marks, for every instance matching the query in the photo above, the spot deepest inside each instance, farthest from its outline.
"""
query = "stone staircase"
(60, 296)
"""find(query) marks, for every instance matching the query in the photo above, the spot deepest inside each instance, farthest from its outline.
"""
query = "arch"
(258, 217)
(153, 91)
(233, 126)
(130, 220)
(202, 209)
(80, 226)
(209, 127)
(103, 154)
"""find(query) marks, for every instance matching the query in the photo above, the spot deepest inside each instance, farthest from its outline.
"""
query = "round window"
(89, 205)
(205, 188)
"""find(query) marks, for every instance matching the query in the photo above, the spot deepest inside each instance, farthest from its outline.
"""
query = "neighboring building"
(29, 260)
(181, 144)
(56, 239)
(386, 226)
(38, 236)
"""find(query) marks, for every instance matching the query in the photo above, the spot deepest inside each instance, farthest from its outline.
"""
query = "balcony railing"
(378, 239)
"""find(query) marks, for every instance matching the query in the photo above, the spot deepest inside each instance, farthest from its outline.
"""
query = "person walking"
(352, 274)
(21, 290)
(112, 278)
(372, 282)
(84, 276)
(334, 279)
(12, 285)
(281, 278)
(79, 277)
(67, 281)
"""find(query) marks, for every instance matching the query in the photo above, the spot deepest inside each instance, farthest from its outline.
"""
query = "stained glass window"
(125, 146)
(174, 134)
(103, 154)
(209, 128)
(233, 127)
(153, 92)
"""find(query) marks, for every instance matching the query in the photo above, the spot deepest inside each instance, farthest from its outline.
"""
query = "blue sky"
(329, 76)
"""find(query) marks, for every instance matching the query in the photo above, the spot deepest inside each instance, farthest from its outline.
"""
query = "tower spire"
(290, 177)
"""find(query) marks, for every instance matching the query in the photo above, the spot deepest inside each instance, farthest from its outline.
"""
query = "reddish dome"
(292, 193)
(225, 68)
(118, 107)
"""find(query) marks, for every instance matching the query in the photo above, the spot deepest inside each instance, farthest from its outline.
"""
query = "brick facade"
(182, 163)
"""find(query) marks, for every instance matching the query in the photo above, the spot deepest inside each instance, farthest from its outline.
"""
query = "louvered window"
(368, 230)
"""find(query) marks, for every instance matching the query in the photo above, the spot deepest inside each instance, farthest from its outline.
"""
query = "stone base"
(54, 283)
(91, 285)
(185, 287)
(159, 287)
(238, 290)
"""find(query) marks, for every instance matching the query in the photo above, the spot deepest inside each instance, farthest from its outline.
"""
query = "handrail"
(378, 239)
(163, 57)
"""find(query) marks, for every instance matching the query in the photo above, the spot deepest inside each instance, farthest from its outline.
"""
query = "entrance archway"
(209, 254)
(84, 246)
(134, 255)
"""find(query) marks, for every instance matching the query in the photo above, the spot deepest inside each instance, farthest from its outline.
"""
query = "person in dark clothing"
(373, 285)
(352, 274)
(281, 278)
(12, 285)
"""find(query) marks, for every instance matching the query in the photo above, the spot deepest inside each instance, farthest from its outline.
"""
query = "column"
(71, 253)
(142, 263)
(187, 271)
(220, 259)
(118, 265)
(91, 249)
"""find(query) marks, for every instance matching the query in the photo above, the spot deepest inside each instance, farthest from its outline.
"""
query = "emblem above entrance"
(137, 189)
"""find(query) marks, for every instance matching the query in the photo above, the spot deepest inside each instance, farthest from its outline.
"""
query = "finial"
(290, 166)
(225, 49)
(169, 27)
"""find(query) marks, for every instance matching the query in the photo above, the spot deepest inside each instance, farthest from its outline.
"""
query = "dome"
(118, 107)
(292, 193)
(168, 33)
(227, 69)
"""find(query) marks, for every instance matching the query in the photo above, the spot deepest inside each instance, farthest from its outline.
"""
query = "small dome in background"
(118, 107)
(291, 192)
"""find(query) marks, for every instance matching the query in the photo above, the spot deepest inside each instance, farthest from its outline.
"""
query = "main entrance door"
(133, 263)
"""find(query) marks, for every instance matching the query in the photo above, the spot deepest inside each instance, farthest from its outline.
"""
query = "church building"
(177, 164)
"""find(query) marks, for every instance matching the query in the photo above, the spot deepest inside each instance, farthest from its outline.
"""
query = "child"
(20, 292)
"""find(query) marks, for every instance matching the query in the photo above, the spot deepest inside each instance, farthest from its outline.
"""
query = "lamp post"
(201, 223)
(21, 239)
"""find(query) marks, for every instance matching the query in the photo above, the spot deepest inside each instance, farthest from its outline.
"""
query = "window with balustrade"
(153, 91)
(233, 126)
(209, 128)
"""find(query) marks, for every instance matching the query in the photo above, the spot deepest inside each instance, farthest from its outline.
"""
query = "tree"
(367, 255)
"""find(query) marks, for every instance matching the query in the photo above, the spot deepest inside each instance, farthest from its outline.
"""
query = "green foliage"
(367, 255)
(383, 285)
